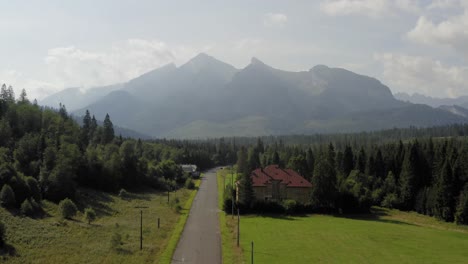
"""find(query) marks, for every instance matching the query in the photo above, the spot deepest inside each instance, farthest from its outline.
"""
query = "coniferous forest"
(45, 154)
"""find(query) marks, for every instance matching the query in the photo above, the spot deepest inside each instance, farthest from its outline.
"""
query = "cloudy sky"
(410, 45)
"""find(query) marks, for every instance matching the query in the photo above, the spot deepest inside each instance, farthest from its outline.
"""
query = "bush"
(289, 206)
(7, 196)
(27, 208)
(34, 188)
(390, 201)
(2, 234)
(189, 184)
(67, 208)
(123, 194)
(89, 215)
(116, 240)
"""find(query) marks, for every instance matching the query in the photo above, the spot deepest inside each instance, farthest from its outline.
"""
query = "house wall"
(301, 195)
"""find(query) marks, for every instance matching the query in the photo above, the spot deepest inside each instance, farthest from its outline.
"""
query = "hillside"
(209, 98)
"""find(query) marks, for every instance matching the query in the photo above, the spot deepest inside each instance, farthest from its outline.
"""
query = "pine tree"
(23, 97)
(444, 204)
(246, 192)
(407, 180)
(348, 160)
(361, 161)
(461, 215)
(324, 189)
(242, 165)
(108, 130)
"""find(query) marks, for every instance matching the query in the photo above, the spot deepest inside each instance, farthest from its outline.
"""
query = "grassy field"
(52, 240)
(393, 237)
(386, 236)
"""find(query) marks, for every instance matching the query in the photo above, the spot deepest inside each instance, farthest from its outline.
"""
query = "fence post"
(252, 253)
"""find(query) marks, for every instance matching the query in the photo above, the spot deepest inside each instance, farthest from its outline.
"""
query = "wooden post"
(238, 227)
(141, 229)
(168, 196)
(252, 254)
(158, 222)
(141, 224)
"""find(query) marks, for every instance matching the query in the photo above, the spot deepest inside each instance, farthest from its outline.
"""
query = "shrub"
(390, 201)
(34, 188)
(2, 234)
(290, 206)
(7, 196)
(67, 208)
(123, 194)
(116, 240)
(89, 215)
(27, 208)
(189, 184)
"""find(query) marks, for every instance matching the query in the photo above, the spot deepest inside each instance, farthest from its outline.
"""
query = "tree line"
(45, 154)
(426, 175)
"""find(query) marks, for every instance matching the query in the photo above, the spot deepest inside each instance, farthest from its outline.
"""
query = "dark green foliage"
(108, 130)
(26, 208)
(461, 215)
(324, 182)
(2, 234)
(7, 196)
(445, 203)
(89, 215)
(67, 208)
(408, 179)
(34, 188)
(246, 193)
(189, 184)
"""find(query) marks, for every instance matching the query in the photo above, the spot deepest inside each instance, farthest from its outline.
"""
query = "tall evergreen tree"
(407, 180)
(361, 161)
(445, 202)
(348, 160)
(108, 130)
(324, 185)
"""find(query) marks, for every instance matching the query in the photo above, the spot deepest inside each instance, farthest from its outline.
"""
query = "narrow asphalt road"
(201, 239)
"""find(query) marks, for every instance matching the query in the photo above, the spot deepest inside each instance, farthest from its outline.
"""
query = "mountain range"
(208, 98)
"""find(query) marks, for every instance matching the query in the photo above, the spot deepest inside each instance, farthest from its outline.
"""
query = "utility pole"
(141, 225)
(252, 254)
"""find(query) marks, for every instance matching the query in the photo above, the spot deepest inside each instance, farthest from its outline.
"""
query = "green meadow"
(53, 240)
(385, 236)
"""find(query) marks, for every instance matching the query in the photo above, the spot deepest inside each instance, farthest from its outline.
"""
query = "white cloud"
(423, 75)
(72, 66)
(452, 32)
(370, 8)
(274, 20)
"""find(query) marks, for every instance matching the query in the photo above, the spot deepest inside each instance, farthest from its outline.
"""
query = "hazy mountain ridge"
(417, 98)
(206, 97)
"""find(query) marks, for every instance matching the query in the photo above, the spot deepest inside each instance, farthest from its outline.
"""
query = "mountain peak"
(202, 61)
(256, 61)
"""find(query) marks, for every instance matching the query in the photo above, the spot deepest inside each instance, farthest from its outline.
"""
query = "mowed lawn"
(391, 237)
(53, 240)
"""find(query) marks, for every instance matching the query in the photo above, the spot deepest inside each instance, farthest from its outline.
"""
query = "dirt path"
(201, 240)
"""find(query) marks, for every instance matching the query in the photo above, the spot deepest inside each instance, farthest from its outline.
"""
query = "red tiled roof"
(260, 177)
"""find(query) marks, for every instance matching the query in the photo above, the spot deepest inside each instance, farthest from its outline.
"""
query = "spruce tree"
(407, 180)
(108, 130)
(324, 189)
(348, 161)
(444, 203)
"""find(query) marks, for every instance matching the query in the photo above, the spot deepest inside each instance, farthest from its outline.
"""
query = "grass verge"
(53, 240)
(166, 256)
(231, 254)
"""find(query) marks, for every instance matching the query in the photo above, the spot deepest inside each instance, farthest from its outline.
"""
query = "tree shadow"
(277, 216)
(376, 215)
(96, 200)
(8, 250)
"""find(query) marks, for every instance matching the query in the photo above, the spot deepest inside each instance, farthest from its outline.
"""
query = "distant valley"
(209, 98)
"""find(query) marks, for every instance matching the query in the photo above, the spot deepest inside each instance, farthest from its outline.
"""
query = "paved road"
(201, 240)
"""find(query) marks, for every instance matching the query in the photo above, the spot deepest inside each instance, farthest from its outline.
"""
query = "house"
(276, 184)
(191, 169)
